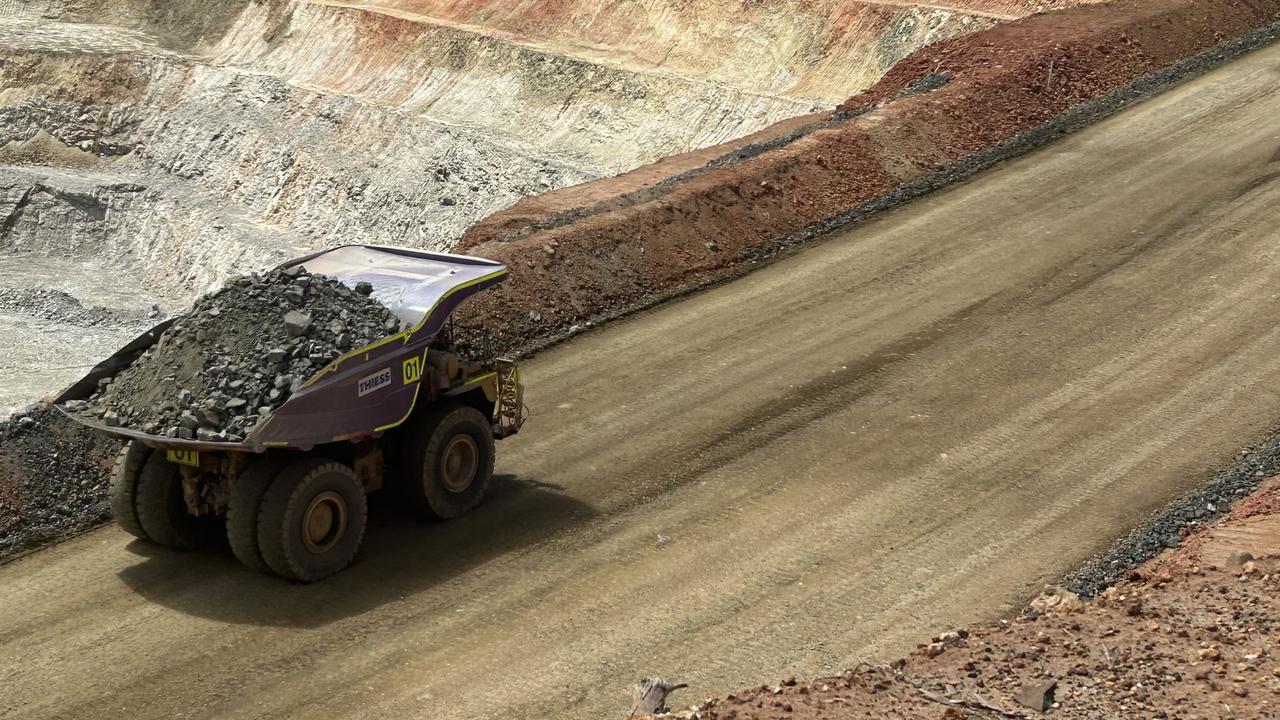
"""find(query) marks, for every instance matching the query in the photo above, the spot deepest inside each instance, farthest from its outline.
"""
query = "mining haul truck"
(427, 402)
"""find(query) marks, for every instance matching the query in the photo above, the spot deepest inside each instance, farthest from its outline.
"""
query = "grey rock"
(296, 323)
(209, 416)
(1037, 696)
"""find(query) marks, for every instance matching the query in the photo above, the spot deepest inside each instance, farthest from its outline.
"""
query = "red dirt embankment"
(594, 250)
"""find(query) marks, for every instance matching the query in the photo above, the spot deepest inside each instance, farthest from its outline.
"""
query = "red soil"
(597, 248)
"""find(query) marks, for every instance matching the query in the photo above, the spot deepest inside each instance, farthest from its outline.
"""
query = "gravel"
(1168, 526)
(36, 445)
(218, 371)
(63, 307)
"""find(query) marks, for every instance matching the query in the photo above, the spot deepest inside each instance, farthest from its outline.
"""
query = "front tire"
(312, 520)
(162, 509)
(450, 462)
(124, 487)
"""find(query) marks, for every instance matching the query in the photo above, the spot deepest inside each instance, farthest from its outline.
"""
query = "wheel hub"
(324, 522)
(459, 462)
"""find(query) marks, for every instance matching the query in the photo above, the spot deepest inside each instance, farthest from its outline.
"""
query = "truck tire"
(124, 487)
(312, 519)
(450, 461)
(162, 509)
(243, 506)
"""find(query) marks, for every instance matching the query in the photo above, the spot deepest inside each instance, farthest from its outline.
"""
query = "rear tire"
(243, 507)
(312, 520)
(162, 509)
(124, 487)
(450, 461)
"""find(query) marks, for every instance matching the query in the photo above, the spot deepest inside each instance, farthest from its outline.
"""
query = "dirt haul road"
(913, 425)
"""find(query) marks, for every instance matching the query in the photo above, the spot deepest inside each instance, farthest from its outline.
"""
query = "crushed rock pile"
(219, 370)
(61, 306)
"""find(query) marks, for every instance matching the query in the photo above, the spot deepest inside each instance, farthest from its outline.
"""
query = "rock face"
(220, 369)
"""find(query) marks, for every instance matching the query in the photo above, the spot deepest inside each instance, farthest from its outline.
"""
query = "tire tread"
(273, 531)
(124, 488)
(159, 513)
(243, 510)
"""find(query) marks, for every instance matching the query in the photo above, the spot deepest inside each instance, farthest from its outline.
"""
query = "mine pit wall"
(558, 106)
(584, 254)
(217, 198)
(177, 24)
(815, 49)
(260, 130)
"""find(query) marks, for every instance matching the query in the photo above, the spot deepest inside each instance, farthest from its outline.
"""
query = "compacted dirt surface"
(911, 427)
(1193, 633)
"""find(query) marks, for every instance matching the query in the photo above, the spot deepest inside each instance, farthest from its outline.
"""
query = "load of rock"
(219, 370)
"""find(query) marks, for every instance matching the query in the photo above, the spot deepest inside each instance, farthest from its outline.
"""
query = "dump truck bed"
(368, 390)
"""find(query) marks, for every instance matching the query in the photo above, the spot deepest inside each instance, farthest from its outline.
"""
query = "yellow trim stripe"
(417, 389)
(476, 379)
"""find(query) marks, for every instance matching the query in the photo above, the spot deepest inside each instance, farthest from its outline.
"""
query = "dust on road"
(913, 425)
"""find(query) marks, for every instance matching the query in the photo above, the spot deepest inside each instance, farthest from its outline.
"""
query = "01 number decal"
(412, 370)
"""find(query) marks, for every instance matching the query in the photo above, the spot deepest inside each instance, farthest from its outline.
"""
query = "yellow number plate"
(412, 370)
(185, 457)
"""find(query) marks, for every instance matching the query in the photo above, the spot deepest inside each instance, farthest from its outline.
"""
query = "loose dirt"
(216, 372)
